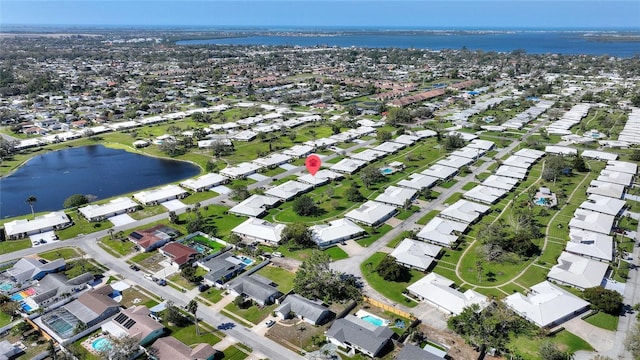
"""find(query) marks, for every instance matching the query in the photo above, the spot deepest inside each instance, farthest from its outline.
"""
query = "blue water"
(16, 297)
(95, 170)
(26, 307)
(247, 261)
(540, 201)
(6, 287)
(100, 344)
(373, 320)
(386, 171)
(534, 42)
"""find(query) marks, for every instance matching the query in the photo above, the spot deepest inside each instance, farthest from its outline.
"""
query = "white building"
(348, 166)
(591, 221)
(603, 204)
(606, 189)
(442, 231)
(298, 151)
(204, 182)
(22, 228)
(512, 172)
(599, 155)
(320, 178)
(560, 150)
(397, 196)
(255, 205)
(368, 155)
(590, 244)
(615, 177)
(336, 231)
(157, 196)
(464, 211)
(415, 254)
(622, 166)
(289, 190)
(578, 271)
(389, 147)
(519, 161)
(436, 290)
(546, 305)
(530, 153)
(272, 160)
(484, 194)
(440, 171)
(418, 182)
(112, 208)
(454, 161)
(371, 213)
(500, 182)
(260, 230)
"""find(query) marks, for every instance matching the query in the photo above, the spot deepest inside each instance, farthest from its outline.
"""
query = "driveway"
(351, 247)
(602, 340)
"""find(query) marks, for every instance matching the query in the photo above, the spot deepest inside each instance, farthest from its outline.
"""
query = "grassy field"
(604, 321)
(336, 253)
(528, 346)
(65, 253)
(280, 276)
(374, 235)
(391, 290)
(234, 353)
(14, 245)
(253, 314)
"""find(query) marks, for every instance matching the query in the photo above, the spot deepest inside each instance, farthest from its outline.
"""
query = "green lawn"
(448, 184)
(14, 245)
(604, 321)
(120, 246)
(469, 186)
(213, 295)
(4, 319)
(234, 353)
(532, 276)
(280, 276)
(403, 235)
(336, 253)
(65, 253)
(391, 290)
(430, 215)
(374, 235)
(453, 198)
(528, 346)
(188, 335)
(81, 226)
(253, 314)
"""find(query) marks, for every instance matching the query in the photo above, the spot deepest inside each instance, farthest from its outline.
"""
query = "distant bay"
(534, 42)
(94, 170)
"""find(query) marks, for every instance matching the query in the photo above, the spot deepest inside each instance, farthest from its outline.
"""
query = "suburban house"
(512, 172)
(371, 213)
(578, 271)
(412, 352)
(135, 322)
(298, 151)
(55, 287)
(221, 269)
(615, 177)
(253, 288)
(592, 221)
(622, 166)
(606, 189)
(255, 205)
(10, 351)
(174, 349)
(240, 171)
(320, 178)
(336, 231)
(21, 228)
(397, 196)
(289, 190)
(455, 162)
(260, 230)
(368, 155)
(519, 161)
(114, 207)
(418, 182)
(546, 305)
(438, 291)
(415, 254)
(178, 254)
(28, 268)
(160, 195)
(153, 237)
(355, 334)
(442, 231)
(500, 182)
(604, 204)
(204, 182)
(484, 194)
(590, 245)
(464, 211)
(530, 153)
(304, 309)
(348, 166)
(272, 160)
(440, 171)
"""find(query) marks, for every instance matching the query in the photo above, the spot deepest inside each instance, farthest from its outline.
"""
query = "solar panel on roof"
(121, 318)
(129, 324)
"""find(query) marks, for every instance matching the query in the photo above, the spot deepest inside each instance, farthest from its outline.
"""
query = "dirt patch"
(296, 333)
(458, 349)
(152, 262)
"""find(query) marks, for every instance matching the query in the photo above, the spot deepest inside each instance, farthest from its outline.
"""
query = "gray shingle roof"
(303, 307)
(356, 331)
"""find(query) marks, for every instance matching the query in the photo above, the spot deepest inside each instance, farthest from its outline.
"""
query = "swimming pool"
(6, 286)
(371, 319)
(386, 171)
(541, 201)
(101, 344)
(246, 260)
(61, 322)
(26, 307)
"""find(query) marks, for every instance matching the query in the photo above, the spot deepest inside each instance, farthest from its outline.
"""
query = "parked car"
(270, 323)
(203, 287)
(134, 267)
(149, 277)
(277, 254)
(162, 282)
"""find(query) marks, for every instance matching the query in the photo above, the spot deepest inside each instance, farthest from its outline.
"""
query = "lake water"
(95, 170)
(532, 41)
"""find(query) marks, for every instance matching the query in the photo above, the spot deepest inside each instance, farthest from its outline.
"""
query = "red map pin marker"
(313, 163)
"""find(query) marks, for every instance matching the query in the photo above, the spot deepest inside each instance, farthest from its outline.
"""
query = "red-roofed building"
(177, 253)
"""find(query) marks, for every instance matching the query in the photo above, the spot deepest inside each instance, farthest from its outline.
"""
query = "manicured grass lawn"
(14, 245)
(188, 335)
(234, 353)
(142, 256)
(122, 247)
(374, 236)
(180, 281)
(492, 273)
(393, 243)
(198, 197)
(532, 276)
(604, 321)
(4, 319)
(280, 276)
(453, 198)
(81, 226)
(551, 253)
(213, 295)
(253, 314)
(469, 186)
(148, 211)
(430, 215)
(390, 289)
(528, 346)
(448, 184)
(65, 253)
(336, 253)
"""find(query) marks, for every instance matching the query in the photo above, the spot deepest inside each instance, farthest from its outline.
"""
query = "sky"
(479, 14)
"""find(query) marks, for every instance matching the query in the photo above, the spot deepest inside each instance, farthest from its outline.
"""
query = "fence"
(389, 308)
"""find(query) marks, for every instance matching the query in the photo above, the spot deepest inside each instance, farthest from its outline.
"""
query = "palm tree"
(192, 307)
(30, 200)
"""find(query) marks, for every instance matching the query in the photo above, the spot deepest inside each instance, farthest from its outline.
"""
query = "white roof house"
(204, 182)
(240, 170)
(245, 135)
(260, 230)
(591, 221)
(272, 160)
(406, 139)
(519, 161)
(464, 211)
(156, 196)
(415, 254)
(255, 205)
(605, 189)
(485, 145)
(371, 213)
(468, 152)
(512, 172)
(368, 155)
(336, 231)
(320, 178)
(578, 271)
(622, 166)
(603, 204)
(418, 182)
(389, 147)
(615, 177)
(424, 133)
(437, 290)
(484, 194)
(298, 151)
(530, 153)
(289, 190)
(348, 166)
(560, 150)
(112, 208)
(396, 196)
(440, 171)
(599, 155)
(590, 244)
(21, 228)
(500, 182)
(454, 161)
(546, 305)
(441, 231)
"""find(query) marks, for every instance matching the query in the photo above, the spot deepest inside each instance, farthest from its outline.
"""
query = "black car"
(203, 287)
(134, 267)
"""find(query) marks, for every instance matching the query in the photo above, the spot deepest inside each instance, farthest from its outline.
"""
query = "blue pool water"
(386, 171)
(540, 201)
(6, 287)
(16, 297)
(199, 248)
(247, 261)
(100, 344)
(26, 307)
(373, 320)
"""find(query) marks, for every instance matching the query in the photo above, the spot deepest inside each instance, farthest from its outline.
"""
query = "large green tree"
(298, 234)
(75, 200)
(304, 205)
(390, 270)
(371, 175)
(315, 280)
(609, 301)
